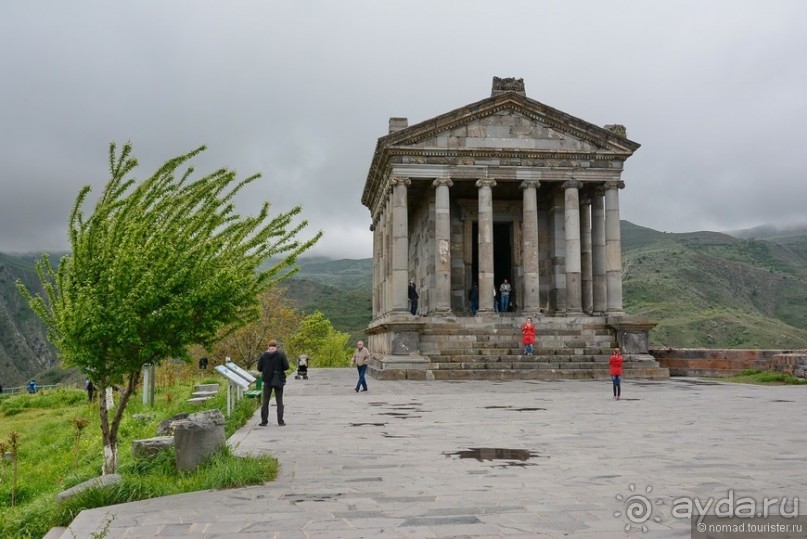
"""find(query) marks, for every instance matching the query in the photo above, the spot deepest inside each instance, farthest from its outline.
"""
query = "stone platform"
(488, 347)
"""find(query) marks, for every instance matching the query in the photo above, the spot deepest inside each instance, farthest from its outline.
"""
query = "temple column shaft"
(442, 251)
(387, 250)
(377, 262)
(585, 254)
(613, 247)
(485, 242)
(400, 245)
(573, 263)
(529, 247)
(599, 290)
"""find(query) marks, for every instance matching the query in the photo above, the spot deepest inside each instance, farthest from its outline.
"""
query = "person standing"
(361, 358)
(90, 387)
(273, 365)
(413, 297)
(504, 293)
(616, 372)
(473, 297)
(528, 336)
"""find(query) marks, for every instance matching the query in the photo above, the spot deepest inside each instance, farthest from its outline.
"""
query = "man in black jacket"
(272, 362)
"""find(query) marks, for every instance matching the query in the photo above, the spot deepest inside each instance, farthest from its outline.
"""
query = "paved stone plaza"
(388, 462)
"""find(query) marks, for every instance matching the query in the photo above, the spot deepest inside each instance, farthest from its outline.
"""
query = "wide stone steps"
(631, 372)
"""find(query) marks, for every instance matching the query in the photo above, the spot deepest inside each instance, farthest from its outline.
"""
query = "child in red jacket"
(616, 372)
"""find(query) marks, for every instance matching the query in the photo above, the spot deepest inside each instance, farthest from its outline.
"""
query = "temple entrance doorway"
(502, 257)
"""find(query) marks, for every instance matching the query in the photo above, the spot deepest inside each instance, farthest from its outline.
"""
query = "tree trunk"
(109, 430)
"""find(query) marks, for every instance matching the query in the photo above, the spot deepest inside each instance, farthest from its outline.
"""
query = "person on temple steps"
(473, 298)
(616, 361)
(413, 297)
(528, 336)
(504, 293)
(361, 358)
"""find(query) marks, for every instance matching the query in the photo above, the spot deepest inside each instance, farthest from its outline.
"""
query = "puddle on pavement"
(367, 424)
(516, 457)
(696, 382)
(514, 409)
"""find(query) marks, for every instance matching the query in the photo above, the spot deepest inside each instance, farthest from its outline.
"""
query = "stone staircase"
(490, 349)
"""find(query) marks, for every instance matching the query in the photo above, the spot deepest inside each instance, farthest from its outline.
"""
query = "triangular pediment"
(509, 122)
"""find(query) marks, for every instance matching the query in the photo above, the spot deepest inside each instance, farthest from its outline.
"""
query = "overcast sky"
(715, 91)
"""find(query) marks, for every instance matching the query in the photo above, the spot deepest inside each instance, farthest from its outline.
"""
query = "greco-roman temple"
(503, 188)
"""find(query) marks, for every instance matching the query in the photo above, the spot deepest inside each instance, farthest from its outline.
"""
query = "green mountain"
(705, 289)
(709, 289)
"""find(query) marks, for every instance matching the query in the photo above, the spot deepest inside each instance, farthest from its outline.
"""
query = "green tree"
(318, 339)
(160, 264)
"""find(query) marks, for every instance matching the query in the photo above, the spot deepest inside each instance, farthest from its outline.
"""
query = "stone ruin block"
(197, 437)
(150, 447)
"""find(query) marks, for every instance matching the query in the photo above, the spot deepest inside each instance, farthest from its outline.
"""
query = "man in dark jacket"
(271, 362)
(413, 298)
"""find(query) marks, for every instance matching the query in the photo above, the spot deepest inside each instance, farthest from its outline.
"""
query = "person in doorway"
(528, 336)
(361, 358)
(495, 299)
(504, 291)
(413, 298)
(473, 298)
(616, 373)
(273, 365)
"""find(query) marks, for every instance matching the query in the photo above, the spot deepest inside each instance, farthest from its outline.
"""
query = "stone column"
(585, 253)
(613, 247)
(598, 252)
(442, 251)
(377, 258)
(571, 223)
(529, 248)
(387, 254)
(400, 245)
(485, 242)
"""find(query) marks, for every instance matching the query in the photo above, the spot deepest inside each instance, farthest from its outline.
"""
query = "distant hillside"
(709, 289)
(24, 348)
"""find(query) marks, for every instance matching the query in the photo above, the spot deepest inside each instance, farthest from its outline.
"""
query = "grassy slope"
(49, 463)
(711, 290)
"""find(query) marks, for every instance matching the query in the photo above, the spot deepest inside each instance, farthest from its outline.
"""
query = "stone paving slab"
(388, 462)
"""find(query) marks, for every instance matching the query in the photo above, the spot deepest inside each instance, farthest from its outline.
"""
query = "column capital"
(400, 180)
(572, 184)
(529, 184)
(442, 181)
(486, 182)
(614, 184)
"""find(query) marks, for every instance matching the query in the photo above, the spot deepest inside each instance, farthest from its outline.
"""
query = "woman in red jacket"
(528, 336)
(616, 372)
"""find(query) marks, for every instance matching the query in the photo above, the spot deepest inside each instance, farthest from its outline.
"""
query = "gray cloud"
(300, 91)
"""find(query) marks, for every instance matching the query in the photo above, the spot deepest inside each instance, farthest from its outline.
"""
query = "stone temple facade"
(504, 188)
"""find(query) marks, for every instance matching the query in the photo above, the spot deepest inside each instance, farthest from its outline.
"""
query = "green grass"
(54, 455)
(752, 376)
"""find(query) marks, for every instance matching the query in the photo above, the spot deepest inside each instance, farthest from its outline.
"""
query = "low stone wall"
(792, 363)
(715, 362)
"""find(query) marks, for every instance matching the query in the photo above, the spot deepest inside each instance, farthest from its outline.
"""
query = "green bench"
(257, 392)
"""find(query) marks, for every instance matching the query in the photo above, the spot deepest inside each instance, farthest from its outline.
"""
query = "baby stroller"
(302, 367)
